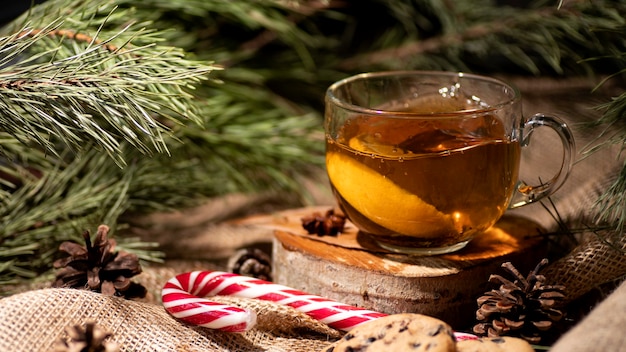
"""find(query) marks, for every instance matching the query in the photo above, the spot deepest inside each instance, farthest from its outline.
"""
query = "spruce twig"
(61, 182)
(534, 38)
(610, 207)
(101, 93)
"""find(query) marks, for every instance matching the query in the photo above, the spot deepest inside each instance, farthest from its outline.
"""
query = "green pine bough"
(100, 116)
(109, 107)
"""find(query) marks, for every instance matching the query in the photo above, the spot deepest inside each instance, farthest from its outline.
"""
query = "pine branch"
(235, 143)
(57, 205)
(534, 38)
(610, 207)
(58, 86)
(251, 145)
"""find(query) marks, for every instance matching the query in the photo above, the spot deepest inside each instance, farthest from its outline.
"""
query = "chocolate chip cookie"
(398, 333)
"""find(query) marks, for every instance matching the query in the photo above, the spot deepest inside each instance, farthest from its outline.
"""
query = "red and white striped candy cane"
(182, 294)
(182, 298)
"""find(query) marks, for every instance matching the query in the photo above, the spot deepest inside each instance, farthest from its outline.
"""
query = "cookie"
(398, 333)
(494, 344)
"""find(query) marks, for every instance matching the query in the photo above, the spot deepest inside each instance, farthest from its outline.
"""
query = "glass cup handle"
(526, 194)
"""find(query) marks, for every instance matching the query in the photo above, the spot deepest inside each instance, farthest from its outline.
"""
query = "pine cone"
(329, 224)
(251, 262)
(526, 307)
(91, 338)
(98, 267)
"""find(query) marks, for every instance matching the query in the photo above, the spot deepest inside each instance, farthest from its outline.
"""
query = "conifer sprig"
(537, 37)
(610, 207)
(93, 90)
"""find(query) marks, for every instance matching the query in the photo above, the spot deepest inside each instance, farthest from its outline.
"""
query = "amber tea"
(445, 184)
(424, 161)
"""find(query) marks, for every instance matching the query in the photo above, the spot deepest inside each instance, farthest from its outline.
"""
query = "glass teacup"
(422, 162)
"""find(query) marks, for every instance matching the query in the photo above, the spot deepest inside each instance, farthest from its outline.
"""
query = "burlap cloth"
(602, 330)
(35, 320)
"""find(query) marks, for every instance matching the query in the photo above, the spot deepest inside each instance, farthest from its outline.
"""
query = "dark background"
(12, 9)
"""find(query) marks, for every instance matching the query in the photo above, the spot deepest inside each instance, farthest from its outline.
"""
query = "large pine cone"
(525, 307)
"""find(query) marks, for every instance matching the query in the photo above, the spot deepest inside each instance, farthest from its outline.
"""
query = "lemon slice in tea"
(381, 200)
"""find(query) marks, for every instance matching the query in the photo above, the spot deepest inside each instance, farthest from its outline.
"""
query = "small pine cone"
(526, 307)
(329, 224)
(92, 338)
(98, 267)
(251, 262)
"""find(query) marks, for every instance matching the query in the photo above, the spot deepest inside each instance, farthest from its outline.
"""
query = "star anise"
(98, 267)
(329, 224)
(525, 307)
(91, 338)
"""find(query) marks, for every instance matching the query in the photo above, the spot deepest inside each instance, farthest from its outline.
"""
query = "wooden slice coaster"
(353, 270)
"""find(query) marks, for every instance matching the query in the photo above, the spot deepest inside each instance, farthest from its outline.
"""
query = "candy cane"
(181, 298)
(182, 294)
